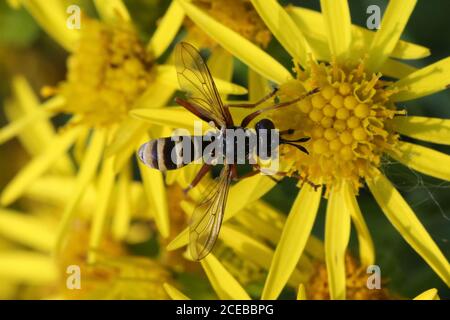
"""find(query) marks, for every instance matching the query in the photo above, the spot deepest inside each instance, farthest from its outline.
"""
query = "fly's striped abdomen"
(171, 153)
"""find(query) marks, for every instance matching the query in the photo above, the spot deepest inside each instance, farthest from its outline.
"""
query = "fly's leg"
(257, 103)
(253, 115)
(200, 174)
(254, 172)
(304, 180)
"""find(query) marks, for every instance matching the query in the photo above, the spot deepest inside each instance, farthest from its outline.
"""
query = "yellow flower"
(27, 265)
(356, 283)
(110, 72)
(254, 228)
(31, 232)
(352, 122)
(238, 15)
(227, 286)
(247, 243)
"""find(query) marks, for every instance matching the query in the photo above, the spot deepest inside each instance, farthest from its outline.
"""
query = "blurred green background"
(26, 49)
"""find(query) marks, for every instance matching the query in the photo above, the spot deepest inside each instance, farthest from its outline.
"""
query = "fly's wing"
(208, 215)
(194, 78)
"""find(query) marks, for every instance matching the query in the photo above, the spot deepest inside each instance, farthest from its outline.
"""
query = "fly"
(204, 101)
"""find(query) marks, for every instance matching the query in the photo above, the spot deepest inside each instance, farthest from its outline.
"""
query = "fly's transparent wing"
(208, 215)
(194, 78)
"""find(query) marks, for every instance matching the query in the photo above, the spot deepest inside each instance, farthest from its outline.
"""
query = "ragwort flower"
(110, 72)
(353, 123)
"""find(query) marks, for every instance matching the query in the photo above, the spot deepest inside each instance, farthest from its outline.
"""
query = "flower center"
(238, 15)
(356, 282)
(115, 275)
(347, 122)
(107, 72)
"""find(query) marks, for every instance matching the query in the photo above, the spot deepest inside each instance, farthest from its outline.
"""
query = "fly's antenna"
(301, 148)
(294, 143)
(301, 140)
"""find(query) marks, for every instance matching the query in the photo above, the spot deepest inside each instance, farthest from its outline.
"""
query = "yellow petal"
(261, 254)
(240, 47)
(394, 22)
(313, 27)
(408, 51)
(27, 230)
(167, 75)
(258, 86)
(126, 155)
(315, 248)
(240, 195)
(269, 229)
(30, 117)
(158, 93)
(243, 244)
(15, 4)
(301, 293)
(268, 225)
(56, 189)
(425, 81)
(220, 64)
(366, 248)
(224, 284)
(174, 293)
(86, 173)
(112, 11)
(431, 294)
(396, 69)
(189, 172)
(174, 117)
(38, 166)
(156, 195)
(52, 17)
(40, 133)
(179, 241)
(127, 134)
(293, 240)
(122, 214)
(28, 267)
(434, 130)
(337, 234)
(336, 15)
(131, 130)
(422, 159)
(245, 192)
(405, 221)
(105, 186)
(167, 29)
(14, 128)
(284, 29)
(182, 176)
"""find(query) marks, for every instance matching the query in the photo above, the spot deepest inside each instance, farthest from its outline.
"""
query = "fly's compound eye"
(264, 124)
